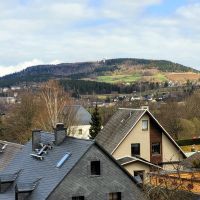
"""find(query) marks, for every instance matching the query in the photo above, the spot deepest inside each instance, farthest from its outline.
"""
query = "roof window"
(63, 159)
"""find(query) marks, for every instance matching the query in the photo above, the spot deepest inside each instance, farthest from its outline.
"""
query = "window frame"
(78, 198)
(147, 128)
(132, 149)
(97, 170)
(80, 131)
(153, 144)
(112, 197)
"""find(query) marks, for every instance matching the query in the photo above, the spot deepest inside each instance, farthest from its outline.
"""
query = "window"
(155, 148)
(78, 198)
(135, 149)
(139, 173)
(144, 125)
(115, 196)
(80, 131)
(95, 168)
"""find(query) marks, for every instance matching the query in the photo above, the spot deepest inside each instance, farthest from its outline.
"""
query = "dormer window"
(145, 125)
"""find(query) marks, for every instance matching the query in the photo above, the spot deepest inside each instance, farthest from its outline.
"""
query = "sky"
(53, 31)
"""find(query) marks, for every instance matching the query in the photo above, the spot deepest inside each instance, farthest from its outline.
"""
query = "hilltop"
(121, 70)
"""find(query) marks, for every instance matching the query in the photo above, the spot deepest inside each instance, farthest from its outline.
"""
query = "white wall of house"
(80, 131)
(136, 166)
(170, 153)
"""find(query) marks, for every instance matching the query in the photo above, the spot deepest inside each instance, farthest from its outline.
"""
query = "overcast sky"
(51, 31)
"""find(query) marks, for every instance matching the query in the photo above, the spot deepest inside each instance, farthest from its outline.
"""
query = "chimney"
(36, 139)
(145, 108)
(60, 133)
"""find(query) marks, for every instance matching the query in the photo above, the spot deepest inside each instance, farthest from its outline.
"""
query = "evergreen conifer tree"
(95, 123)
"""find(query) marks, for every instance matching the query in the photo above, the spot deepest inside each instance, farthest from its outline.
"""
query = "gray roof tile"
(9, 152)
(50, 176)
(117, 127)
(82, 116)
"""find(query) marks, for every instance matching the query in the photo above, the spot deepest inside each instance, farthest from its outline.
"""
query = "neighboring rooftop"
(120, 124)
(127, 160)
(79, 113)
(34, 170)
(7, 152)
(117, 127)
(190, 161)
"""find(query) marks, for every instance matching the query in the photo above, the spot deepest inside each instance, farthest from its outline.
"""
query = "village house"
(139, 142)
(55, 166)
(81, 121)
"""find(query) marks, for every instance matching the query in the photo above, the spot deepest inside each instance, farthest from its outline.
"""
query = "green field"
(160, 77)
(119, 78)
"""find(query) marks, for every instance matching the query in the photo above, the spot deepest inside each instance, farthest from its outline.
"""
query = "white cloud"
(16, 68)
(79, 31)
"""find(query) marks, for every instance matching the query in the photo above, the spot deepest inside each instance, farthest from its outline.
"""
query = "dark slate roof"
(8, 153)
(81, 114)
(117, 127)
(188, 162)
(50, 176)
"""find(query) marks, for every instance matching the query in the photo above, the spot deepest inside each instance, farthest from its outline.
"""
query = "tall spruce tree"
(95, 124)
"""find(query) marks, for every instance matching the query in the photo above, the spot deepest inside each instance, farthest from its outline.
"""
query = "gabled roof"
(121, 124)
(41, 177)
(8, 152)
(45, 171)
(82, 116)
(117, 127)
(128, 160)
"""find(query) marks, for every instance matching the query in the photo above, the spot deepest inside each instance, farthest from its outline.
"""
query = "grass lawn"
(160, 77)
(119, 78)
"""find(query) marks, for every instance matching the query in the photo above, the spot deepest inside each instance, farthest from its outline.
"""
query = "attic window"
(145, 125)
(115, 196)
(63, 159)
(78, 198)
(95, 167)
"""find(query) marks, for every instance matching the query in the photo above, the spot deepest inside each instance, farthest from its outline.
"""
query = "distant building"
(8, 100)
(56, 166)
(82, 119)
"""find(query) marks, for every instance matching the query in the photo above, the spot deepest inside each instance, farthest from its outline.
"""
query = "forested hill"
(89, 70)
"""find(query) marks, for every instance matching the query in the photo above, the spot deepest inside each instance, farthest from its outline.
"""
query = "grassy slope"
(119, 78)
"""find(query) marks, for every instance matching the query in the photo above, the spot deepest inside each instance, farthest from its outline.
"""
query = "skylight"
(63, 159)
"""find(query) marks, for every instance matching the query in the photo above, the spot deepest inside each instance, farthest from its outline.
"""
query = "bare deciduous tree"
(52, 102)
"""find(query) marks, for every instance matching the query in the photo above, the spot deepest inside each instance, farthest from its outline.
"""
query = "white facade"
(80, 131)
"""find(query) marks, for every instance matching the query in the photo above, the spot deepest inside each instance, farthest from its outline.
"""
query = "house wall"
(136, 166)
(112, 179)
(137, 135)
(170, 152)
(74, 131)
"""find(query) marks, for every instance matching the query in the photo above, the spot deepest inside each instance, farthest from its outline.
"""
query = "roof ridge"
(136, 109)
(12, 143)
